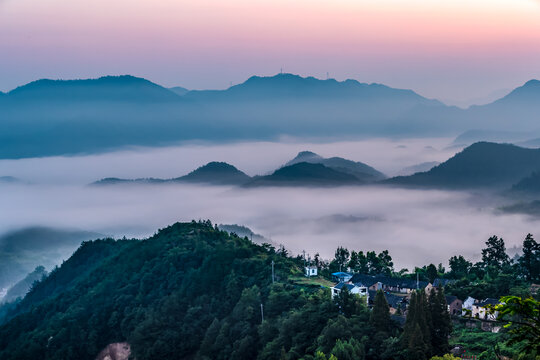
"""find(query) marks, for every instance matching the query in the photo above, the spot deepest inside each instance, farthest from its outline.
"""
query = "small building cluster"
(398, 291)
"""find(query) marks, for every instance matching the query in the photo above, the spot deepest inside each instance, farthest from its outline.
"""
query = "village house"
(480, 311)
(389, 284)
(341, 276)
(310, 271)
(454, 305)
(352, 288)
(466, 307)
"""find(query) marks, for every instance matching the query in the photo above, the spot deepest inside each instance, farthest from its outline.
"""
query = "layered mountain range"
(56, 117)
(483, 165)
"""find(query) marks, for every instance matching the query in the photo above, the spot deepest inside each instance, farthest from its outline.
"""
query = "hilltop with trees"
(193, 291)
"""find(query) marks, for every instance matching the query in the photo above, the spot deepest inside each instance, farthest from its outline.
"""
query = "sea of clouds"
(417, 226)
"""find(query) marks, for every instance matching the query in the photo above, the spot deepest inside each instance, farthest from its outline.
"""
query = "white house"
(480, 311)
(310, 271)
(468, 306)
(353, 289)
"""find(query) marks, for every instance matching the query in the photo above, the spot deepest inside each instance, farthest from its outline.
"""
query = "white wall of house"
(310, 271)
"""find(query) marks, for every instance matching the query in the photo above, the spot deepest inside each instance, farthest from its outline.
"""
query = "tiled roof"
(403, 283)
(442, 282)
(488, 301)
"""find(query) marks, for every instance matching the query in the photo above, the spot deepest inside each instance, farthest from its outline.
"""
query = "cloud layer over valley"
(417, 226)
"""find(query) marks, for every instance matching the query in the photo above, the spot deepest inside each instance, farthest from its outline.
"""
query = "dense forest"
(192, 291)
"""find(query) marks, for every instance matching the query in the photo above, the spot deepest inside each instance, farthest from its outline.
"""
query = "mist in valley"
(417, 226)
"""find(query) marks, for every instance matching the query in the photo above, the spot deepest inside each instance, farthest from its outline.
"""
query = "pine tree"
(416, 337)
(380, 315)
(417, 348)
(530, 260)
(441, 322)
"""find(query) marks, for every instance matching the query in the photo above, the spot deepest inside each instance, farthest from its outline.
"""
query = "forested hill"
(160, 294)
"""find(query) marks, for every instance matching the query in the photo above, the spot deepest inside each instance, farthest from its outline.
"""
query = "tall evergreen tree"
(530, 260)
(416, 337)
(441, 322)
(380, 314)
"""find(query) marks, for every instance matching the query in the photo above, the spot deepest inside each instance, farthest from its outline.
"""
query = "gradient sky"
(452, 50)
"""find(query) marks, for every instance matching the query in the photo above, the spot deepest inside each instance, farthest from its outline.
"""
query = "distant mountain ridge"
(363, 172)
(215, 173)
(107, 88)
(295, 87)
(305, 174)
(307, 168)
(58, 117)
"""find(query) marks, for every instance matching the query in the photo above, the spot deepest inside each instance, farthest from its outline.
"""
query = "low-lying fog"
(418, 227)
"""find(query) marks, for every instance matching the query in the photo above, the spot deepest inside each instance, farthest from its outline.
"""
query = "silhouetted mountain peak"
(216, 173)
(106, 88)
(483, 164)
(529, 91)
(305, 156)
(358, 169)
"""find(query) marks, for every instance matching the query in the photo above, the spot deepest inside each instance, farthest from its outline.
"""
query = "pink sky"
(452, 49)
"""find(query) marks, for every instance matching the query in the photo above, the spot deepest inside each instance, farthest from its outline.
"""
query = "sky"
(460, 51)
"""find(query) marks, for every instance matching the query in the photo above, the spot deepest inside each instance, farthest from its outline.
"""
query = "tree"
(341, 257)
(380, 314)
(441, 322)
(386, 265)
(349, 304)
(431, 273)
(459, 267)
(494, 255)
(522, 317)
(529, 262)
(351, 349)
(416, 336)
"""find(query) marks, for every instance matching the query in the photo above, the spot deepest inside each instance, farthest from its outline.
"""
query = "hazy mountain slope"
(217, 173)
(480, 165)
(185, 278)
(80, 116)
(422, 167)
(358, 169)
(20, 289)
(516, 112)
(214, 173)
(472, 136)
(22, 250)
(294, 87)
(305, 174)
(530, 183)
(244, 231)
(178, 90)
(105, 89)
(54, 117)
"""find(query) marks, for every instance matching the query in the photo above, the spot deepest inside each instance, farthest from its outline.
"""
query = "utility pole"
(417, 282)
(273, 278)
(262, 314)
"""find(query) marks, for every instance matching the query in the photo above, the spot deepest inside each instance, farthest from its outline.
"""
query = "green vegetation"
(192, 291)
